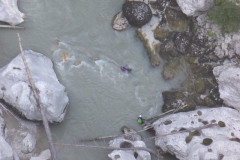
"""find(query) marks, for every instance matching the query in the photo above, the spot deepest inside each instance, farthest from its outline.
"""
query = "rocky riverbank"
(23, 139)
(181, 38)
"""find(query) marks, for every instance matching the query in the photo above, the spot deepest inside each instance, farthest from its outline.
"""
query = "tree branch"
(112, 148)
(36, 96)
(11, 27)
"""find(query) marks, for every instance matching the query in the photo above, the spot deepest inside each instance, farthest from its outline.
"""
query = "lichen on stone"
(221, 124)
(167, 122)
(199, 113)
(207, 141)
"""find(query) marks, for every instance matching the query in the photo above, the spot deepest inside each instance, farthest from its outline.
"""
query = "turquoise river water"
(87, 55)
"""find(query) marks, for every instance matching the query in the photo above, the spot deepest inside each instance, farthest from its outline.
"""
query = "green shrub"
(226, 14)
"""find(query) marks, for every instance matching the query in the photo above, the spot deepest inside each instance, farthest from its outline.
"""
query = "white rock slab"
(228, 78)
(16, 91)
(224, 144)
(10, 12)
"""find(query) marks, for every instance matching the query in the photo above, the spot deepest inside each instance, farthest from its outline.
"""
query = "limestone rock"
(16, 91)
(195, 7)
(10, 12)
(2, 126)
(209, 143)
(6, 152)
(182, 42)
(137, 13)
(44, 155)
(25, 137)
(131, 140)
(29, 143)
(228, 77)
(119, 22)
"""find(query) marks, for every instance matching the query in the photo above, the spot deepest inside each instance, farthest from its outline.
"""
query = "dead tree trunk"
(36, 96)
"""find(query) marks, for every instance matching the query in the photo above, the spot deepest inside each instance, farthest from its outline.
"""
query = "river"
(87, 55)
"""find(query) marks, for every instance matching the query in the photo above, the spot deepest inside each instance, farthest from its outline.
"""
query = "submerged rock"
(131, 140)
(10, 12)
(228, 77)
(195, 7)
(152, 45)
(15, 89)
(137, 13)
(221, 140)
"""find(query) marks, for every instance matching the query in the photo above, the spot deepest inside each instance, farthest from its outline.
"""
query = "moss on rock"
(207, 141)
(199, 86)
(161, 33)
(170, 69)
(177, 21)
(167, 122)
(221, 124)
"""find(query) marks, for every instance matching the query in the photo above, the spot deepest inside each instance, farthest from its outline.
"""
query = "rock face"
(15, 89)
(228, 77)
(44, 155)
(217, 142)
(132, 140)
(24, 138)
(195, 7)
(10, 12)
(137, 13)
(6, 152)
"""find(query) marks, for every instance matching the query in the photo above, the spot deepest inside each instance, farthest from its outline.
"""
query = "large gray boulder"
(228, 78)
(137, 13)
(15, 89)
(195, 7)
(220, 141)
(10, 12)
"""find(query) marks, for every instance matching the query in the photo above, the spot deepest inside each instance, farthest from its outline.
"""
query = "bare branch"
(36, 96)
(11, 27)
(112, 148)
(9, 112)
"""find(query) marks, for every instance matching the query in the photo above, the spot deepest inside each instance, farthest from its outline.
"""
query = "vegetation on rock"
(226, 14)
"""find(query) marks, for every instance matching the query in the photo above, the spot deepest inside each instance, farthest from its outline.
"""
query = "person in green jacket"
(140, 119)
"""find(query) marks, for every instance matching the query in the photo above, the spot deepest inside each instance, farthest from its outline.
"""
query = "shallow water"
(87, 59)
